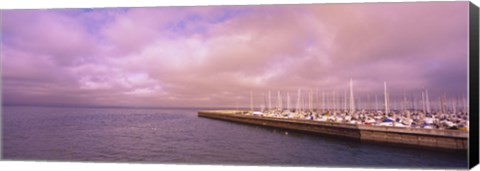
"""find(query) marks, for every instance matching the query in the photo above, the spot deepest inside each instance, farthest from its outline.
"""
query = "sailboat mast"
(264, 101)
(310, 100)
(317, 101)
(288, 101)
(386, 97)
(269, 100)
(439, 105)
(323, 101)
(297, 110)
(442, 103)
(404, 106)
(334, 101)
(424, 104)
(427, 101)
(454, 107)
(369, 104)
(251, 100)
(414, 104)
(352, 100)
(304, 102)
(279, 101)
(345, 100)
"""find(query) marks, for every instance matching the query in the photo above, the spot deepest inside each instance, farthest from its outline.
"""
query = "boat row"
(448, 114)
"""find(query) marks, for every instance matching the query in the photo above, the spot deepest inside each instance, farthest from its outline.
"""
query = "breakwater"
(439, 139)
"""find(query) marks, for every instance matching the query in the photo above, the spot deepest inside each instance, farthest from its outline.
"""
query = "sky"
(214, 56)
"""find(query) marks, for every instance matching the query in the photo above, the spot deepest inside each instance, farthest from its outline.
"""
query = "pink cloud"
(214, 56)
(47, 33)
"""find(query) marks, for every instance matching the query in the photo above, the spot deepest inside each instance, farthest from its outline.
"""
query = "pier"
(437, 139)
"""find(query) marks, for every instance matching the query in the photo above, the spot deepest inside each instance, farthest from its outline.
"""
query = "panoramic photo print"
(322, 85)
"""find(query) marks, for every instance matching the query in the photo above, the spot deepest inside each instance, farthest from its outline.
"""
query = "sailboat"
(444, 113)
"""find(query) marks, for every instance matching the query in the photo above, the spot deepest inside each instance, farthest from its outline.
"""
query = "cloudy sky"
(214, 56)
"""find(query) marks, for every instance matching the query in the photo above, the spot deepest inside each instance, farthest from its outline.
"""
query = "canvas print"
(321, 85)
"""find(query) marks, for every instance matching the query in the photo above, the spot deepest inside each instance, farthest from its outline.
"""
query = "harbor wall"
(451, 140)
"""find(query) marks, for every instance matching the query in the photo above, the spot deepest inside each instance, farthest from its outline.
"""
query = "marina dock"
(437, 139)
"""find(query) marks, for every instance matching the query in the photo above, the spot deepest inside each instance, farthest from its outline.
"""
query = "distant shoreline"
(121, 107)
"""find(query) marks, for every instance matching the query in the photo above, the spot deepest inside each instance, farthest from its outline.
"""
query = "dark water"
(179, 136)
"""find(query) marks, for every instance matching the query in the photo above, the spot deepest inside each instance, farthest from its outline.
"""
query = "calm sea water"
(179, 136)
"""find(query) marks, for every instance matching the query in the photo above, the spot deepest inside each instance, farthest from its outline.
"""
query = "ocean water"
(179, 136)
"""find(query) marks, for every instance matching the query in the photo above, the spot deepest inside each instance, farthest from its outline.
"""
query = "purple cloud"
(214, 56)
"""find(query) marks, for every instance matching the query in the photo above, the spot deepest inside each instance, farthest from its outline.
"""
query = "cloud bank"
(214, 56)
